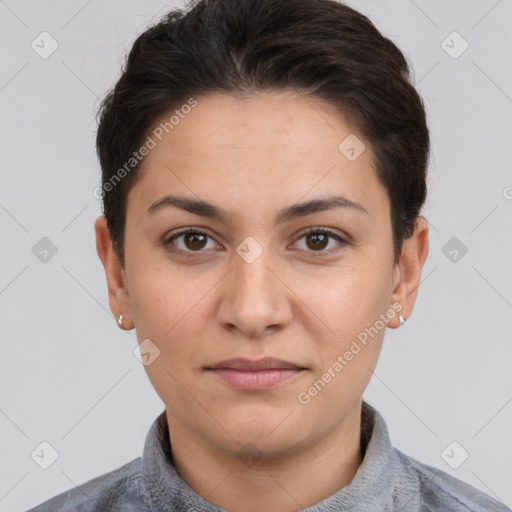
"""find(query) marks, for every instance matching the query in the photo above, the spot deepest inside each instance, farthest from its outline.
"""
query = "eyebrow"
(206, 209)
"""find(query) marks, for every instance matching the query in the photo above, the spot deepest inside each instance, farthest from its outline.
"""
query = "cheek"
(170, 313)
(158, 293)
(351, 307)
(171, 309)
(347, 300)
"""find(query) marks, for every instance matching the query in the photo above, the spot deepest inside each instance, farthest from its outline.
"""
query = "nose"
(254, 297)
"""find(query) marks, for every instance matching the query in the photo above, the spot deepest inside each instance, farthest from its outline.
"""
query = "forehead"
(221, 121)
(257, 151)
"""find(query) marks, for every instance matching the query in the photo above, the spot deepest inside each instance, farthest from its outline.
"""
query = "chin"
(256, 445)
(272, 431)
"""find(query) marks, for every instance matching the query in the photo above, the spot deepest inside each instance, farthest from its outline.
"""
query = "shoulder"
(439, 490)
(105, 492)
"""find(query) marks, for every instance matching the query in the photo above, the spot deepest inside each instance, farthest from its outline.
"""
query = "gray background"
(68, 375)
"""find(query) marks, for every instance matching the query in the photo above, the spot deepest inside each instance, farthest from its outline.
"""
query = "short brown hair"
(319, 48)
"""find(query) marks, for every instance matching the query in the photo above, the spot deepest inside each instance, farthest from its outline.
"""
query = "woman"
(264, 170)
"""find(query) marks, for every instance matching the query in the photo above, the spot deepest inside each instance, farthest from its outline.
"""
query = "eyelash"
(331, 234)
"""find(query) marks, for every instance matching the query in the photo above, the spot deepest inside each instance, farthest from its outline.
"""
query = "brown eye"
(194, 241)
(317, 239)
(188, 242)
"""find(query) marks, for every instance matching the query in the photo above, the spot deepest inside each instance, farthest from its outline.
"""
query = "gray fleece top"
(387, 480)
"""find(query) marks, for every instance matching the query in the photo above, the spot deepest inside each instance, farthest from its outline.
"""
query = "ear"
(116, 279)
(408, 270)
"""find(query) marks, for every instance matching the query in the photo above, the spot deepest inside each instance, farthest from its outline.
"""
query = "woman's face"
(252, 284)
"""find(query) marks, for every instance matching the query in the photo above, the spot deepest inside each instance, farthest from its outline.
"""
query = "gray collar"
(371, 489)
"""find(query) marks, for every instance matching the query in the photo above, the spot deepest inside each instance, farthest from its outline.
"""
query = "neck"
(283, 484)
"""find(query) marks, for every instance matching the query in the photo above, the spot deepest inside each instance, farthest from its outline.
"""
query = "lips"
(260, 364)
(254, 375)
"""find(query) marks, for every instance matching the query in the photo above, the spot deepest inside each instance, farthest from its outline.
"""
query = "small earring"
(402, 320)
(120, 319)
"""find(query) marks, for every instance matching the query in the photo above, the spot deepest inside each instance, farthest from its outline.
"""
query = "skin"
(252, 157)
